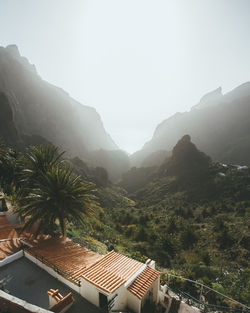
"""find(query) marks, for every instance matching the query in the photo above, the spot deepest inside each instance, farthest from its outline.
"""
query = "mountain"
(187, 163)
(191, 216)
(219, 125)
(40, 112)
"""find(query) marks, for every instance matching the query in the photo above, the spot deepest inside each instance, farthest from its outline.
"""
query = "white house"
(110, 281)
(121, 282)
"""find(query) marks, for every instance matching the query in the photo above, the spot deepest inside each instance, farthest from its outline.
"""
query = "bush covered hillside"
(193, 217)
(190, 215)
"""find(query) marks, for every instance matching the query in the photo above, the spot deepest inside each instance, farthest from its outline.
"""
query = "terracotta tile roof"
(62, 302)
(29, 237)
(7, 231)
(142, 283)
(66, 255)
(9, 247)
(4, 221)
(112, 271)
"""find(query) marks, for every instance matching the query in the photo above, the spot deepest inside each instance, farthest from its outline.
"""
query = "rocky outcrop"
(210, 99)
(186, 162)
(219, 125)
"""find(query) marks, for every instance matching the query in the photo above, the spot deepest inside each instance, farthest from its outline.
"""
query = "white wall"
(11, 258)
(156, 288)
(52, 272)
(133, 302)
(146, 296)
(152, 292)
(120, 302)
(90, 292)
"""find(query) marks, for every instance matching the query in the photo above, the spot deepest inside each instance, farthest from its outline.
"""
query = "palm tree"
(38, 160)
(58, 195)
(8, 167)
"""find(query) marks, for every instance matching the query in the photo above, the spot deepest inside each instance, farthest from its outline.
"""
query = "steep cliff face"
(219, 125)
(7, 126)
(186, 162)
(40, 108)
(38, 112)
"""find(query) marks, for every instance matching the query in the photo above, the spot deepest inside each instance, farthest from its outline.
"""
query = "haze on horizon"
(136, 61)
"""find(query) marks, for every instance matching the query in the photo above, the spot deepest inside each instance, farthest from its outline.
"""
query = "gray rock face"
(219, 125)
(210, 99)
(41, 110)
(13, 51)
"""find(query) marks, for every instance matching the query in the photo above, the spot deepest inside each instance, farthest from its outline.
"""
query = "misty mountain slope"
(40, 109)
(219, 125)
(43, 109)
(7, 126)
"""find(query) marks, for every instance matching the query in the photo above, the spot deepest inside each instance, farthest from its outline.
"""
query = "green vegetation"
(46, 190)
(193, 222)
(191, 217)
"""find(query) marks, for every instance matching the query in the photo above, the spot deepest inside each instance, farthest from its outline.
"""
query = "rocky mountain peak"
(13, 51)
(209, 99)
(186, 161)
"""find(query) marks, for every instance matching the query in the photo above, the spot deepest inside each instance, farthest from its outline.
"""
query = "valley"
(182, 200)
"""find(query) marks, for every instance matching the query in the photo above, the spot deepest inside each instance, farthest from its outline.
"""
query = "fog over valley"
(125, 156)
(136, 62)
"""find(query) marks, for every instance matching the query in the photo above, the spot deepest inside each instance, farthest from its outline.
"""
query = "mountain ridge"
(42, 109)
(218, 125)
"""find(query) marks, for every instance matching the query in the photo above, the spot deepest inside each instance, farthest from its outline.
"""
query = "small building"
(111, 281)
(120, 282)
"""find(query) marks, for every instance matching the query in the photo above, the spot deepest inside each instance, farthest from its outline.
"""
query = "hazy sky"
(136, 61)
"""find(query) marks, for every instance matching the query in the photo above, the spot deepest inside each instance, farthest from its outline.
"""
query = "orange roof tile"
(55, 294)
(62, 302)
(29, 237)
(9, 247)
(112, 271)
(142, 283)
(7, 231)
(66, 255)
(4, 221)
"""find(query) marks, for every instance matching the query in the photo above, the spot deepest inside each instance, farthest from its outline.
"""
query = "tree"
(188, 238)
(169, 244)
(52, 192)
(37, 161)
(60, 196)
(8, 167)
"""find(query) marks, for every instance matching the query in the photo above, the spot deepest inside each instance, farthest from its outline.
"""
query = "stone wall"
(173, 304)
